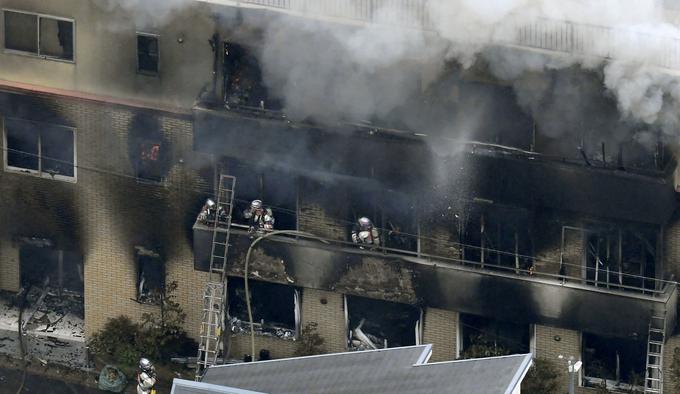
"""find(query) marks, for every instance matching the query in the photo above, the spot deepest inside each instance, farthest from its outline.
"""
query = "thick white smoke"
(330, 71)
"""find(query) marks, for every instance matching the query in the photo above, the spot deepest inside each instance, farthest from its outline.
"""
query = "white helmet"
(145, 364)
(364, 221)
(256, 204)
(210, 203)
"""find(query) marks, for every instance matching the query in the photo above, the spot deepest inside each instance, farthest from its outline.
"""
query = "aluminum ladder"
(215, 295)
(655, 345)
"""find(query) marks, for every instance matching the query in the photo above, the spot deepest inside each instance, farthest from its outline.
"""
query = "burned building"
(505, 223)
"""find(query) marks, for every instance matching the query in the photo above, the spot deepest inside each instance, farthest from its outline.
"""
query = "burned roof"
(403, 370)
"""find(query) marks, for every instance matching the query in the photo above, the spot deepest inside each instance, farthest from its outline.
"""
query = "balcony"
(551, 35)
(447, 283)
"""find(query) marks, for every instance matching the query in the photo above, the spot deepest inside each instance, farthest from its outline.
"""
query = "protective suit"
(261, 220)
(364, 233)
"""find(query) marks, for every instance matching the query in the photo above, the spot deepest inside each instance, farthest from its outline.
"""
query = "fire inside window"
(148, 165)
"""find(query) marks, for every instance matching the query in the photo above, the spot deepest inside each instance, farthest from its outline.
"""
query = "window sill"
(37, 174)
(37, 56)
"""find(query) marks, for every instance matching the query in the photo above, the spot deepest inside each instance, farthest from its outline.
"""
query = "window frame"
(38, 54)
(158, 65)
(38, 173)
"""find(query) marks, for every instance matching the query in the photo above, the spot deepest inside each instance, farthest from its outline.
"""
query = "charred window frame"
(243, 85)
(618, 362)
(46, 36)
(150, 276)
(611, 256)
(385, 324)
(40, 149)
(148, 53)
(496, 237)
(486, 337)
(149, 166)
(277, 189)
(275, 308)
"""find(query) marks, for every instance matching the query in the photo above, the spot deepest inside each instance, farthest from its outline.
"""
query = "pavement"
(10, 380)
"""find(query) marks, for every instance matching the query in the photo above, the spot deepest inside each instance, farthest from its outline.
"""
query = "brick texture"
(440, 329)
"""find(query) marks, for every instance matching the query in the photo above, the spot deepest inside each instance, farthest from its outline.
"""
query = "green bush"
(543, 378)
(158, 337)
(310, 343)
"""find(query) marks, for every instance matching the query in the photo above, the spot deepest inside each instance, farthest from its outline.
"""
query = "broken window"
(40, 148)
(243, 84)
(617, 361)
(42, 35)
(149, 164)
(497, 238)
(150, 276)
(486, 337)
(148, 53)
(377, 324)
(615, 256)
(41, 265)
(276, 188)
(275, 308)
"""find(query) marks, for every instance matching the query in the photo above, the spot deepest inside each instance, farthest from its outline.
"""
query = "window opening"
(485, 337)
(377, 324)
(243, 84)
(40, 148)
(148, 53)
(42, 35)
(150, 276)
(619, 362)
(275, 308)
(277, 189)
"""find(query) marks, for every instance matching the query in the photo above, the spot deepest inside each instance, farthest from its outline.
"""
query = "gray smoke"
(329, 71)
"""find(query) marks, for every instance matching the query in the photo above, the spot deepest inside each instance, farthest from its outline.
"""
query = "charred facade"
(509, 235)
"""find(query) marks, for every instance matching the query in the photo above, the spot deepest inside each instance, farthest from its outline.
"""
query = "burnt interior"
(150, 276)
(273, 305)
(486, 337)
(384, 323)
(243, 84)
(59, 269)
(617, 360)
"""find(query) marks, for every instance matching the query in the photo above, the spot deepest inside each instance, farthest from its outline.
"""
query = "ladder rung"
(657, 330)
(654, 354)
(653, 379)
(655, 343)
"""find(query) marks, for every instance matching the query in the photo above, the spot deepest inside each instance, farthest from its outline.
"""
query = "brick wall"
(547, 347)
(106, 213)
(671, 247)
(9, 265)
(440, 329)
(327, 309)
(440, 239)
(323, 210)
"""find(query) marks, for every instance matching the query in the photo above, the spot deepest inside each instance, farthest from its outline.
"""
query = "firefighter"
(146, 377)
(364, 233)
(209, 211)
(261, 220)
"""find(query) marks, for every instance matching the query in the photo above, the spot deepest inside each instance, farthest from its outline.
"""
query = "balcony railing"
(577, 39)
(453, 284)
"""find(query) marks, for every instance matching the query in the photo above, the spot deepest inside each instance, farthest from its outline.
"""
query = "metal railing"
(649, 286)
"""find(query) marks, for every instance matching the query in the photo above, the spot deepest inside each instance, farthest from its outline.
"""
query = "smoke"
(612, 77)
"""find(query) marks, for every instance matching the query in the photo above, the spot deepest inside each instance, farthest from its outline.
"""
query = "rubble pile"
(243, 327)
(53, 326)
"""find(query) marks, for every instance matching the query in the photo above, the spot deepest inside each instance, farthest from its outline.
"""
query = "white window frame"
(39, 173)
(38, 54)
(158, 38)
